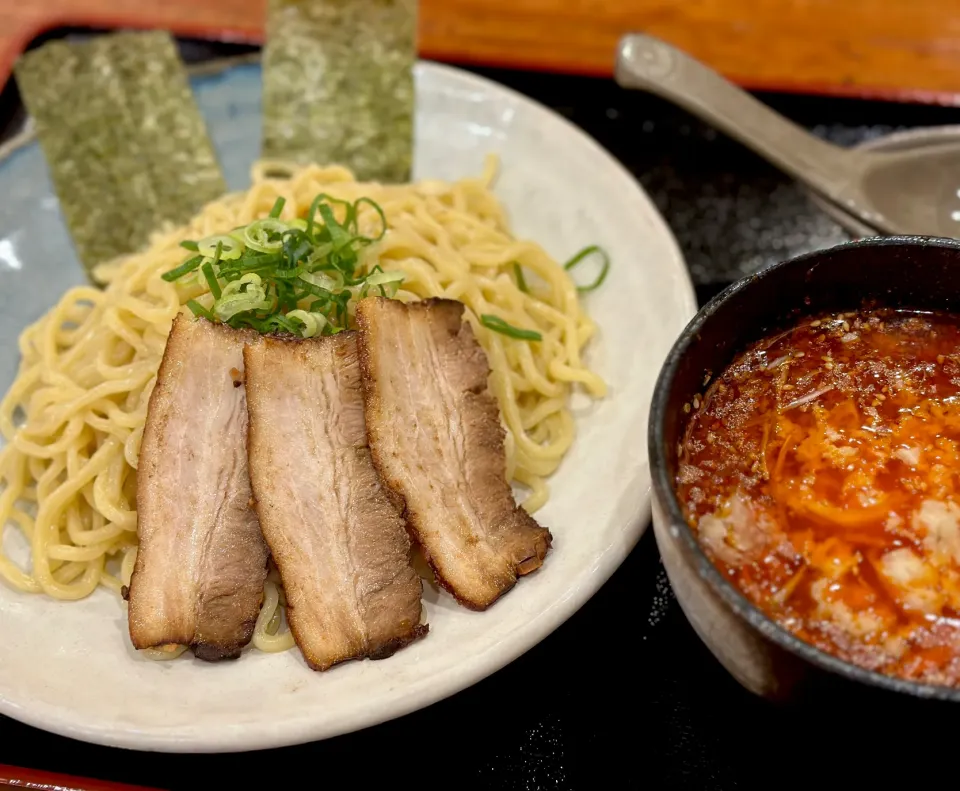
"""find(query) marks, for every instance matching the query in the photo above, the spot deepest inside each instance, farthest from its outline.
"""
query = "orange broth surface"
(821, 474)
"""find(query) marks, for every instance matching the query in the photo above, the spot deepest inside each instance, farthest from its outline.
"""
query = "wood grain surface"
(36, 780)
(895, 49)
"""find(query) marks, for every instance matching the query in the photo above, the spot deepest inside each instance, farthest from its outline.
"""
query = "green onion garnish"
(296, 276)
(521, 283)
(185, 268)
(211, 279)
(188, 244)
(199, 310)
(497, 324)
(230, 247)
(585, 253)
(277, 207)
(378, 210)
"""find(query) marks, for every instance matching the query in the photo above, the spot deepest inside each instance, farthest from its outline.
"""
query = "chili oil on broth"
(820, 474)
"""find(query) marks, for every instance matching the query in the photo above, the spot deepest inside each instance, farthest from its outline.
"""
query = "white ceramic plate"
(69, 667)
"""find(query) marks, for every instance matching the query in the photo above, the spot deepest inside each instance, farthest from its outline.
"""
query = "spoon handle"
(649, 64)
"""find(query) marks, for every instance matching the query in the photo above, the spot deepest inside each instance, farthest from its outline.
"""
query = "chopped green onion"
(231, 248)
(317, 291)
(296, 246)
(188, 244)
(379, 211)
(339, 235)
(185, 268)
(584, 254)
(521, 283)
(497, 324)
(280, 322)
(324, 198)
(199, 310)
(239, 296)
(387, 283)
(323, 280)
(382, 278)
(277, 207)
(211, 279)
(313, 323)
(265, 235)
(297, 276)
(340, 302)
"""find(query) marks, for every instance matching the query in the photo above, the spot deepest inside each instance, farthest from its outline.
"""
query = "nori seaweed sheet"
(123, 138)
(338, 84)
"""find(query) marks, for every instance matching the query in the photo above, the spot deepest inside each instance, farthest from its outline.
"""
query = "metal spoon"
(901, 190)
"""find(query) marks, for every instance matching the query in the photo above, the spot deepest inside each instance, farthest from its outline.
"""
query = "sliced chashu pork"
(335, 534)
(436, 438)
(201, 565)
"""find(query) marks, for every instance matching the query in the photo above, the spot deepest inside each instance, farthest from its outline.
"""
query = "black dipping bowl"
(897, 272)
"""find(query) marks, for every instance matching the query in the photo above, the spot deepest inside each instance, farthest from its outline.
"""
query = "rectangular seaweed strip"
(123, 138)
(338, 84)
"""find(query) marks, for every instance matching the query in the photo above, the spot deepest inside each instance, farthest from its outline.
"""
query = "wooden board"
(17, 777)
(894, 49)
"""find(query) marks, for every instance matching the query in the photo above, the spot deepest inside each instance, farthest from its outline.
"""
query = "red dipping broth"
(821, 474)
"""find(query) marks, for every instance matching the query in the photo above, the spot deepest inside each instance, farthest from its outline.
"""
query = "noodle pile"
(74, 416)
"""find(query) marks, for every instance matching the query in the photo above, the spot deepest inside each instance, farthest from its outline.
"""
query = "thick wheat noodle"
(74, 416)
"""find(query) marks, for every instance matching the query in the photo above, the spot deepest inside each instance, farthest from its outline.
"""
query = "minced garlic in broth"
(820, 473)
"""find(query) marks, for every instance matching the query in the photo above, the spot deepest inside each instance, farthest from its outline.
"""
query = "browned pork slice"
(335, 534)
(199, 575)
(436, 438)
